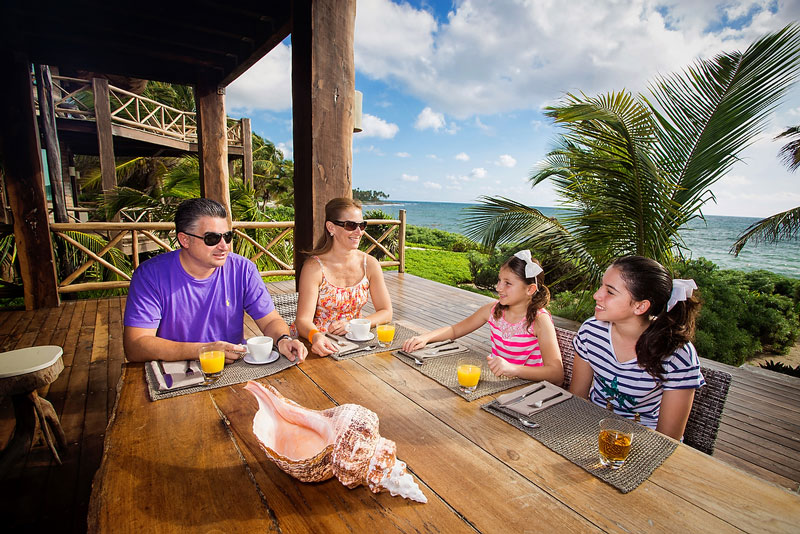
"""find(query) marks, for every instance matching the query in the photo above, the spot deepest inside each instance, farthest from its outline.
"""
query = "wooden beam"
(105, 136)
(21, 159)
(213, 142)
(323, 86)
(247, 151)
(44, 89)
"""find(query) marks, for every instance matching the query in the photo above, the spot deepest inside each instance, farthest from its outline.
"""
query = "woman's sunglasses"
(212, 238)
(351, 225)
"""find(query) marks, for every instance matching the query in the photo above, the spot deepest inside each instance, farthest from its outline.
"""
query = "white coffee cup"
(359, 329)
(260, 348)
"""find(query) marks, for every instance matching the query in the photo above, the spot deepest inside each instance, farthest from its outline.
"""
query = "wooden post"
(247, 151)
(401, 242)
(212, 143)
(105, 136)
(44, 89)
(21, 159)
(323, 87)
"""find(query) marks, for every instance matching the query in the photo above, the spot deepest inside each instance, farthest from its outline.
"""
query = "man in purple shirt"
(197, 295)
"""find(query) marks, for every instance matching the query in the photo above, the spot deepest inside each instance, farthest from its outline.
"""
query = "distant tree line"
(369, 195)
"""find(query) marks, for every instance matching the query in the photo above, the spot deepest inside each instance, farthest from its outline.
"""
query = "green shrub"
(743, 313)
(390, 243)
(575, 305)
(439, 238)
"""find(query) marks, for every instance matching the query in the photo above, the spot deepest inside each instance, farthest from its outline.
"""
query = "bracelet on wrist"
(282, 337)
(311, 335)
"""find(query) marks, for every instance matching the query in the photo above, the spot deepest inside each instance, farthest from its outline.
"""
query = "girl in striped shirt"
(523, 337)
(635, 355)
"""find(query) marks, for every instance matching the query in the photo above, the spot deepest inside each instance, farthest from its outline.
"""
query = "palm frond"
(711, 111)
(778, 227)
(790, 152)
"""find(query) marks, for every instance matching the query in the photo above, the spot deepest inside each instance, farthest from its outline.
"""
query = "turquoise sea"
(710, 239)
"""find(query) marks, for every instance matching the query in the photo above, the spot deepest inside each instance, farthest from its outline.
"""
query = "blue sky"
(453, 90)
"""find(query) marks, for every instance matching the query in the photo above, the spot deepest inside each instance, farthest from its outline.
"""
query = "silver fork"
(189, 370)
(348, 352)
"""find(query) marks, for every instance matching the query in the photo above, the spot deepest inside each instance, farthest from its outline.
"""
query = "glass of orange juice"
(469, 374)
(212, 361)
(385, 334)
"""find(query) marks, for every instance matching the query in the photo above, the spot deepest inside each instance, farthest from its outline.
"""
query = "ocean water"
(710, 239)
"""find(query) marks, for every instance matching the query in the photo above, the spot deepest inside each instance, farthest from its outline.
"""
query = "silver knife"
(435, 352)
(439, 343)
(351, 351)
(166, 375)
(519, 398)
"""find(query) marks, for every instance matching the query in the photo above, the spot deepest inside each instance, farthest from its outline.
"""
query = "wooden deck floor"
(760, 430)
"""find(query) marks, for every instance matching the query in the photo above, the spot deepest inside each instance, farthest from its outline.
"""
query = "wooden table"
(22, 372)
(192, 463)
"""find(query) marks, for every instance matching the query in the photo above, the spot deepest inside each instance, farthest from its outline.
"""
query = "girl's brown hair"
(647, 279)
(333, 212)
(539, 300)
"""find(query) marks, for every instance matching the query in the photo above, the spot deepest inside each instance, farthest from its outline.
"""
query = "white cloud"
(409, 178)
(402, 154)
(506, 161)
(478, 173)
(267, 85)
(482, 59)
(432, 185)
(428, 118)
(432, 156)
(463, 156)
(373, 126)
(286, 148)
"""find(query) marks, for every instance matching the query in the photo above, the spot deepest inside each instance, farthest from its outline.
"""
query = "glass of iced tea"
(212, 361)
(385, 334)
(614, 441)
(469, 374)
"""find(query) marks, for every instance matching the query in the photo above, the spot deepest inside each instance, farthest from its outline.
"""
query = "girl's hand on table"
(500, 367)
(415, 343)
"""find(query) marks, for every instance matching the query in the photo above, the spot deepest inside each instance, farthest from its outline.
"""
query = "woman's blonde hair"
(333, 212)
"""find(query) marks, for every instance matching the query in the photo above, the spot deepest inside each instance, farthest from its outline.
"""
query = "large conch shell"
(343, 441)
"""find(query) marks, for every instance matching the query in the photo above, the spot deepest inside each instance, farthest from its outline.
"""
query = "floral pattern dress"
(339, 303)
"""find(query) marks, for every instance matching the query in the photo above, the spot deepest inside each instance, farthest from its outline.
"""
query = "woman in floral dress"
(338, 279)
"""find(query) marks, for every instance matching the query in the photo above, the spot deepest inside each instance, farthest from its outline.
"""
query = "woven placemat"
(570, 428)
(235, 373)
(401, 333)
(443, 370)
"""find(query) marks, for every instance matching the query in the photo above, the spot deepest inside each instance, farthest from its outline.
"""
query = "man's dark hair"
(189, 211)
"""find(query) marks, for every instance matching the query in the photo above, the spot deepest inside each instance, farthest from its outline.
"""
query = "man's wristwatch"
(281, 337)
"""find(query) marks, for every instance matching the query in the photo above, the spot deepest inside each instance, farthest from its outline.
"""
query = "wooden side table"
(22, 372)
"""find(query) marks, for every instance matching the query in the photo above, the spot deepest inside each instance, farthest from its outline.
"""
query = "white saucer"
(248, 358)
(351, 338)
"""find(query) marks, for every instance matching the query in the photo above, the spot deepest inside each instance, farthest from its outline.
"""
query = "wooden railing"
(73, 98)
(163, 235)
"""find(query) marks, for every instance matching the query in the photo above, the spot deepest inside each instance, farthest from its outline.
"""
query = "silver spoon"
(529, 424)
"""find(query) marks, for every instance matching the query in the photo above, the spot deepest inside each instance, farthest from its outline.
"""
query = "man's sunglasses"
(212, 238)
(351, 225)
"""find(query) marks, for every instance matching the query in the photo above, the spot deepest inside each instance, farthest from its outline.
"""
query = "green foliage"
(743, 313)
(369, 195)
(439, 238)
(781, 367)
(575, 305)
(451, 268)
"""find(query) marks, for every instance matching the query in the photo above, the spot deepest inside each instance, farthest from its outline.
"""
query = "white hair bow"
(681, 290)
(531, 269)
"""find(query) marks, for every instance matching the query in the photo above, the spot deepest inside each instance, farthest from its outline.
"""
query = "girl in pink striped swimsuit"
(523, 337)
